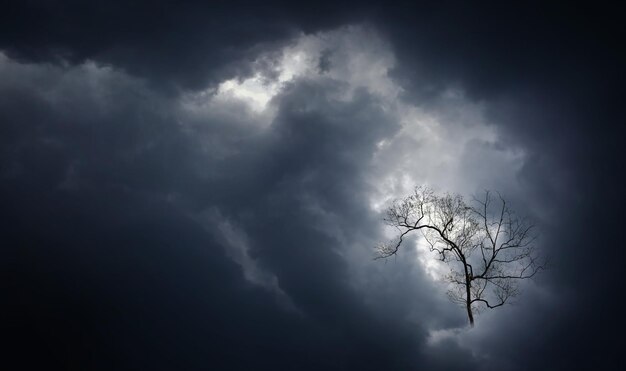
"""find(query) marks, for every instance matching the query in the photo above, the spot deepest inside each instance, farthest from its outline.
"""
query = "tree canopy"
(488, 248)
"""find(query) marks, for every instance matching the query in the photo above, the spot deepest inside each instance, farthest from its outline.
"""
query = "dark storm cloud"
(104, 272)
(174, 44)
(108, 266)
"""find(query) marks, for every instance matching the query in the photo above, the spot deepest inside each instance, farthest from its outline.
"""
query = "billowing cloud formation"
(158, 216)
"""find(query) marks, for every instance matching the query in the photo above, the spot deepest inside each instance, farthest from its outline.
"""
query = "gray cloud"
(125, 174)
(230, 221)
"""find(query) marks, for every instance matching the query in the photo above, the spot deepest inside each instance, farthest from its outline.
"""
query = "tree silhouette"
(488, 248)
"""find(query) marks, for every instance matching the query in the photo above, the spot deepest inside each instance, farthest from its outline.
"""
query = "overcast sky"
(192, 186)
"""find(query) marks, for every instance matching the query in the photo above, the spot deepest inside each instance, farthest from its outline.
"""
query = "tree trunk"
(470, 315)
(468, 295)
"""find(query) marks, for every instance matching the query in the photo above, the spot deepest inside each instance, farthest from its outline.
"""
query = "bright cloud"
(447, 143)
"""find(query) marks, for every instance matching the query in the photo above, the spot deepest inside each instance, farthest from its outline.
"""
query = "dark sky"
(193, 186)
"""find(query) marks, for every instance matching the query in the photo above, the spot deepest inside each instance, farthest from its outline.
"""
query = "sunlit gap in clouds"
(350, 55)
(258, 90)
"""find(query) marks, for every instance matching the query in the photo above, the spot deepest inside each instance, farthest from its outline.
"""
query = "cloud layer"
(208, 201)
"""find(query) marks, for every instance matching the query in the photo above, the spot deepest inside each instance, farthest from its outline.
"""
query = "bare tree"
(488, 248)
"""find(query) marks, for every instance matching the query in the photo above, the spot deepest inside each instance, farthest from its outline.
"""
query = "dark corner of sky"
(193, 185)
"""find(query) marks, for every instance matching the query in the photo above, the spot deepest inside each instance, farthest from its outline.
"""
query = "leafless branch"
(455, 230)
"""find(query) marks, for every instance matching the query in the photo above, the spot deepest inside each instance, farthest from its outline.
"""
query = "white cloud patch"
(353, 55)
